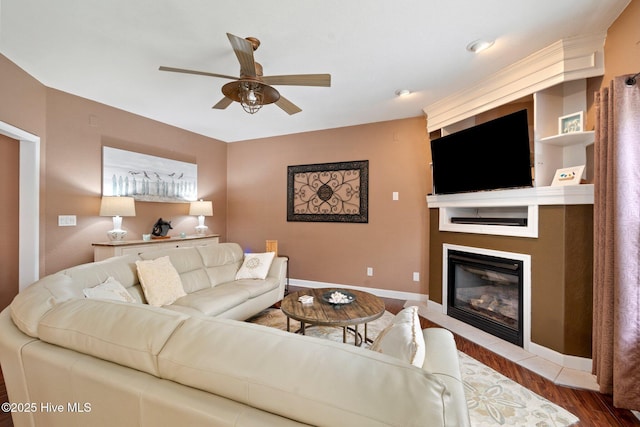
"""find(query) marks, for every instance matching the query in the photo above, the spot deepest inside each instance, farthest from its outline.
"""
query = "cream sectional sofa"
(69, 360)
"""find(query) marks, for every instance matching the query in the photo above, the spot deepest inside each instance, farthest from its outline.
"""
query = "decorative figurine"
(161, 228)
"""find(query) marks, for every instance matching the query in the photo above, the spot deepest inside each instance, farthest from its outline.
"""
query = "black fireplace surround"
(486, 292)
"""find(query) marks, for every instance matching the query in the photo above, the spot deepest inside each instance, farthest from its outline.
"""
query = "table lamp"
(201, 208)
(117, 207)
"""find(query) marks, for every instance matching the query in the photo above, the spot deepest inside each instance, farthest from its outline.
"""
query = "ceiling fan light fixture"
(478, 46)
(251, 94)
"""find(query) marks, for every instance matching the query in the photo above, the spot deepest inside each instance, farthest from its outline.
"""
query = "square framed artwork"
(571, 123)
(328, 192)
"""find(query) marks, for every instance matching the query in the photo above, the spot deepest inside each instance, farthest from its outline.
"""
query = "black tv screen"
(490, 156)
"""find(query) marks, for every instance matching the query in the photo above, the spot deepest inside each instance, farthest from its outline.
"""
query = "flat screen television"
(490, 156)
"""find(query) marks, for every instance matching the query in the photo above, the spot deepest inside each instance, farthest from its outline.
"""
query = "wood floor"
(593, 409)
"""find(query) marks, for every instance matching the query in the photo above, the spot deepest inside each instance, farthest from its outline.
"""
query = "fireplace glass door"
(486, 292)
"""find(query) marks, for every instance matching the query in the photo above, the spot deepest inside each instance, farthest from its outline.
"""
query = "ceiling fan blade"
(223, 103)
(299, 80)
(288, 106)
(244, 52)
(200, 73)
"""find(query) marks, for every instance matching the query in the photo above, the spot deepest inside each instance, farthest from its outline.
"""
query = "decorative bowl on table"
(338, 297)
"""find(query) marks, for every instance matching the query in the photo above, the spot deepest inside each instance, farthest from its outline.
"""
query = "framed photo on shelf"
(568, 176)
(571, 123)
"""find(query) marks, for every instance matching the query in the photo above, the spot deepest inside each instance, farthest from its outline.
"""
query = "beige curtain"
(616, 293)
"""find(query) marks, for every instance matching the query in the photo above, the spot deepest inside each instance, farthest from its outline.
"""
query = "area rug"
(492, 398)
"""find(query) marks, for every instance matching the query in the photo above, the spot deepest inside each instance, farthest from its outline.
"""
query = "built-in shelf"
(521, 203)
(568, 139)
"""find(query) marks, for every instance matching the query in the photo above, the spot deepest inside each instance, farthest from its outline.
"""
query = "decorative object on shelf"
(328, 192)
(272, 246)
(161, 228)
(571, 123)
(568, 176)
(147, 178)
(201, 209)
(117, 207)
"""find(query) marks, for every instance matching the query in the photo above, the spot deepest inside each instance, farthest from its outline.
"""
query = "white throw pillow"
(160, 281)
(111, 289)
(403, 338)
(255, 266)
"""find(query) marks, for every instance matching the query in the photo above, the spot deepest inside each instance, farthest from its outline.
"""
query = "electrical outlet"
(66, 220)
(416, 276)
(369, 271)
(395, 195)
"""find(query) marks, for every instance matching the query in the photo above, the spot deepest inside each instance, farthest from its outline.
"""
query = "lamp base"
(116, 235)
(201, 230)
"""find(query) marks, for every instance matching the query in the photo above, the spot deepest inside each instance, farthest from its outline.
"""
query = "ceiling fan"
(253, 90)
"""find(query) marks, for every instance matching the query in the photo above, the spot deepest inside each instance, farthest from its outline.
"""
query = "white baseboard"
(384, 293)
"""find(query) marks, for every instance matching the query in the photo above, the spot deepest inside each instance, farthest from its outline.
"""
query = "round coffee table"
(365, 308)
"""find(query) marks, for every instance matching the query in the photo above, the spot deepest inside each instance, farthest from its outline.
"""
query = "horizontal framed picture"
(147, 178)
(571, 123)
(568, 176)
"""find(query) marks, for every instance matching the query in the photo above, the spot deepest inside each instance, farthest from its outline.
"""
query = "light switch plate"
(66, 220)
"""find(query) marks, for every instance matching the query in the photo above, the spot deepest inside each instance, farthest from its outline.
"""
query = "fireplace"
(486, 292)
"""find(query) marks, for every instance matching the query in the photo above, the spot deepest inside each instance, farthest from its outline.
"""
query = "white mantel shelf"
(561, 195)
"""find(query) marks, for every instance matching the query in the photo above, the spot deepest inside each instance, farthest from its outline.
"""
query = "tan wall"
(9, 212)
(621, 53)
(394, 242)
(622, 48)
(76, 131)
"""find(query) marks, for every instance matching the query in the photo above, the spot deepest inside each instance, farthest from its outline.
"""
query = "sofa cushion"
(257, 287)
(403, 338)
(221, 261)
(129, 334)
(160, 281)
(110, 289)
(121, 268)
(213, 301)
(255, 266)
(28, 307)
(287, 374)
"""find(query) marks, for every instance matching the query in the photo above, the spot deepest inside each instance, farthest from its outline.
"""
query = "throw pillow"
(255, 266)
(403, 338)
(111, 289)
(160, 281)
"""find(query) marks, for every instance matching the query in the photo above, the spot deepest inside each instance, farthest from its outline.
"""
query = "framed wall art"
(328, 192)
(147, 178)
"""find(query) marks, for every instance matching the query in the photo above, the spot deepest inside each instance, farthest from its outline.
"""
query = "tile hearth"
(553, 372)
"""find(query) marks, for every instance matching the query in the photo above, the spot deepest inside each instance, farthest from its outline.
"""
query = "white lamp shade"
(201, 207)
(117, 206)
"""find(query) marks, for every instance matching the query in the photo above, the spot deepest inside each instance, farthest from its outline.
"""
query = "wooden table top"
(365, 308)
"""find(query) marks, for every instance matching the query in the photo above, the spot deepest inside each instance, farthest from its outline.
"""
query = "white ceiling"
(109, 51)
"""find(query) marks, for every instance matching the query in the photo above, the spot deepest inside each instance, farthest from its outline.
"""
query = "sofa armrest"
(278, 271)
(441, 359)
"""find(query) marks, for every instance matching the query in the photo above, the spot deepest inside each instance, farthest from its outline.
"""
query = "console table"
(106, 250)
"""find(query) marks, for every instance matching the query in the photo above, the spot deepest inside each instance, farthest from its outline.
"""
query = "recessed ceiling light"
(479, 45)
(403, 92)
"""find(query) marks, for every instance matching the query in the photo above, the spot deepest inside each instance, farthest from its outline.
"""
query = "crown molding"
(565, 60)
